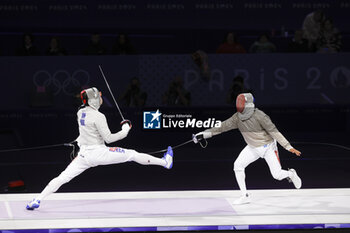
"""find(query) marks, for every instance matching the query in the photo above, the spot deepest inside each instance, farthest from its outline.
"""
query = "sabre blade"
(110, 91)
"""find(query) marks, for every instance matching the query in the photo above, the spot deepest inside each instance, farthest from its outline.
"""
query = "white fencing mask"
(91, 97)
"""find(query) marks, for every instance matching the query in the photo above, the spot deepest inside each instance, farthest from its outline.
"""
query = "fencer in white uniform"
(261, 135)
(93, 133)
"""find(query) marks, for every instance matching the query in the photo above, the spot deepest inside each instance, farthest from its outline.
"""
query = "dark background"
(321, 165)
(173, 29)
(161, 27)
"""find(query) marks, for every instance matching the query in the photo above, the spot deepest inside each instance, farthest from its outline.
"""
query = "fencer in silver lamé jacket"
(257, 131)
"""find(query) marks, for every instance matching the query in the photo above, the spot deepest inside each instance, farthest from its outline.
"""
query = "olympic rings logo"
(62, 80)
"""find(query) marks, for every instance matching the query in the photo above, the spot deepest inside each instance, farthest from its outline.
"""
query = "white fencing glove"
(199, 136)
(126, 125)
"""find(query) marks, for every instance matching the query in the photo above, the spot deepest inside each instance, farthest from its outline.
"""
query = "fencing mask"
(91, 97)
(245, 106)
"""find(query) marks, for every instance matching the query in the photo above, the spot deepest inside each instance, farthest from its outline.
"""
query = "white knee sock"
(240, 177)
(146, 159)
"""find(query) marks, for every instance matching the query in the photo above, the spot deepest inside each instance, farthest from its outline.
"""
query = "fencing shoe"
(245, 199)
(168, 157)
(295, 179)
(33, 204)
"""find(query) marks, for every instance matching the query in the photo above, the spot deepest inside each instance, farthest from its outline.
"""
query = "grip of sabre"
(126, 122)
(201, 138)
(197, 137)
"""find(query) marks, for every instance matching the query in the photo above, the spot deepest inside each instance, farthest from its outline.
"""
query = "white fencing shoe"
(295, 179)
(245, 199)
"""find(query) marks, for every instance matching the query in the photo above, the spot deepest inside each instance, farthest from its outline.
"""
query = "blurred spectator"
(55, 48)
(312, 26)
(298, 43)
(27, 48)
(237, 88)
(134, 96)
(329, 40)
(262, 45)
(123, 45)
(176, 94)
(95, 47)
(200, 58)
(230, 45)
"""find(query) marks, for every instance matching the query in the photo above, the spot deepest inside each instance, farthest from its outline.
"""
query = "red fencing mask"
(240, 103)
(245, 105)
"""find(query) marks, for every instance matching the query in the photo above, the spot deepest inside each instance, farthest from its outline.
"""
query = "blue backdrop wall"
(275, 79)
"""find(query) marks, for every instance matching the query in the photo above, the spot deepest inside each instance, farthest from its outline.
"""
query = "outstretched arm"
(230, 123)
